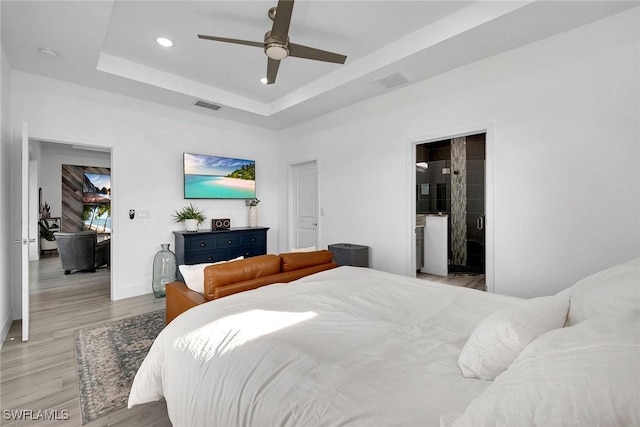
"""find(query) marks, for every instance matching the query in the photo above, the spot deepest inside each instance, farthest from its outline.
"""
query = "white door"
(304, 204)
(24, 229)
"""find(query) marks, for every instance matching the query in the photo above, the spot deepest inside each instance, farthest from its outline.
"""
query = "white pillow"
(610, 291)
(500, 337)
(193, 274)
(587, 375)
(309, 249)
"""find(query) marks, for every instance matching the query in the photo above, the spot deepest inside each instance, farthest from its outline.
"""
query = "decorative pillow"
(586, 375)
(309, 249)
(498, 339)
(609, 291)
(193, 275)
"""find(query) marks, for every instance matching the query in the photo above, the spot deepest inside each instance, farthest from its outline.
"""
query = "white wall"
(147, 142)
(6, 236)
(564, 115)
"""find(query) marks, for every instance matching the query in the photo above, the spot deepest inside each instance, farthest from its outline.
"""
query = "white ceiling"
(110, 45)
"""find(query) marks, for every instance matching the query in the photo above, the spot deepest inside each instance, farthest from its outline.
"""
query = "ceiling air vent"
(208, 105)
(392, 80)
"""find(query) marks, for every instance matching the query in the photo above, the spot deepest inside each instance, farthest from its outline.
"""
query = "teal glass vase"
(165, 268)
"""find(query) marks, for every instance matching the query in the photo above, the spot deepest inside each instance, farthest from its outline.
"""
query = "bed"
(356, 346)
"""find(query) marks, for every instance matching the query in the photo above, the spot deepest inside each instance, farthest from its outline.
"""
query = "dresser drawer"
(229, 241)
(200, 244)
(202, 257)
(247, 251)
(253, 239)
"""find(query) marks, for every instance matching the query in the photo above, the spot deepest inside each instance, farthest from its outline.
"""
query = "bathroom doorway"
(450, 185)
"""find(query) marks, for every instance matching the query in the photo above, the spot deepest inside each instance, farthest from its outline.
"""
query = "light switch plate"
(143, 214)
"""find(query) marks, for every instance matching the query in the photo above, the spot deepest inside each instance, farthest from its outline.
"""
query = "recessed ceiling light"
(47, 51)
(263, 80)
(164, 42)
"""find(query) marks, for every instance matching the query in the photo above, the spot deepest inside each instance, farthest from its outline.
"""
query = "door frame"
(488, 185)
(26, 239)
(114, 201)
(291, 204)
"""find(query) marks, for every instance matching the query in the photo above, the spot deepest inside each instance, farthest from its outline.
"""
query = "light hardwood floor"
(41, 373)
(467, 280)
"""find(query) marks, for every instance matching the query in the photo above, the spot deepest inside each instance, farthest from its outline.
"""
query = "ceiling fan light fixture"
(276, 42)
(277, 51)
(165, 42)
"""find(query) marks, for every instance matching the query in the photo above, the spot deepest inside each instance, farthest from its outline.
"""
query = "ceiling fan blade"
(300, 51)
(236, 41)
(272, 70)
(282, 20)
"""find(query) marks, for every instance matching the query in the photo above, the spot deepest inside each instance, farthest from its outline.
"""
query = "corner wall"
(564, 131)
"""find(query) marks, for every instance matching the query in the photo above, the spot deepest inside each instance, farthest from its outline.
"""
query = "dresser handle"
(203, 244)
(229, 241)
(210, 259)
(253, 239)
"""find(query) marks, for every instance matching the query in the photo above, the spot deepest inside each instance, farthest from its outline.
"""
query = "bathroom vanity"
(435, 244)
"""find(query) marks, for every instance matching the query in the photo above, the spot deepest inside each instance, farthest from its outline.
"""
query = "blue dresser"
(220, 245)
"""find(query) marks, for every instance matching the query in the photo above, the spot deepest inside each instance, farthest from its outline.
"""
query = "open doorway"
(450, 210)
(61, 208)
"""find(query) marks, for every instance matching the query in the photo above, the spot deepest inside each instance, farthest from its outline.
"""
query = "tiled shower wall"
(459, 201)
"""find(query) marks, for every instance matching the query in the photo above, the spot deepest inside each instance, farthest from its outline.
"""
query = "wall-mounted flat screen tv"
(215, 177)
(96, 189)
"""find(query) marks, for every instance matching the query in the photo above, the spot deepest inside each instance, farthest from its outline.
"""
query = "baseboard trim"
(123, 293)
(6, 325)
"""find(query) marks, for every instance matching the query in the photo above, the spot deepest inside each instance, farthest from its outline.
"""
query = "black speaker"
(220, 224)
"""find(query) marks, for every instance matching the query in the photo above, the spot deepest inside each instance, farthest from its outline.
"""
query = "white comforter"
(349, 346)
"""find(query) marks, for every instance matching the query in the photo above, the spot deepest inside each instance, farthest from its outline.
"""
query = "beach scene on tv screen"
(214, 177)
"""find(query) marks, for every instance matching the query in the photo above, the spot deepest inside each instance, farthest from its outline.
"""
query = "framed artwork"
(96, 189)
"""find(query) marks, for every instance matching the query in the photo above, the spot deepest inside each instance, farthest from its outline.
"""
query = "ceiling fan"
(276, 42)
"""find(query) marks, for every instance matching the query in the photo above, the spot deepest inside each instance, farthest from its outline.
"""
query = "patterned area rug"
(107, 358)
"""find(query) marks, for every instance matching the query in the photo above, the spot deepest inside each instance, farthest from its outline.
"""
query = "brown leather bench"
(221, 280)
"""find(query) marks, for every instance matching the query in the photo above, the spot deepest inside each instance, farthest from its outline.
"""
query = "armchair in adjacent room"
(80, 251)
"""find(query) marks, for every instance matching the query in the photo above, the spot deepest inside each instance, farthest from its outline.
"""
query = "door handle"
(24, 241)
(480, 222)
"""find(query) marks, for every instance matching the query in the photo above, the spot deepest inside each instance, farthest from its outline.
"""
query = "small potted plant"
(191, 216)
